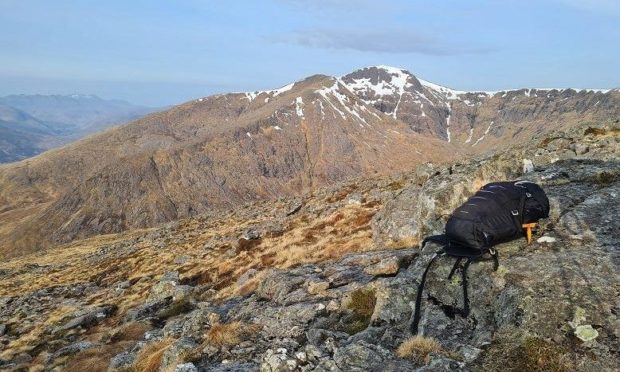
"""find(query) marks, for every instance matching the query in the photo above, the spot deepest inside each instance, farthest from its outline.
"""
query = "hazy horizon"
(157, 53)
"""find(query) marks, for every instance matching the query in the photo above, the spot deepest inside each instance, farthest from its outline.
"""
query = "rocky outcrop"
(551, 305)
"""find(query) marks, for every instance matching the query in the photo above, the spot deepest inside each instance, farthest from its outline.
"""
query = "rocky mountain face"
(221, 151)
(41, 122)
(327, 280)
(477, 121)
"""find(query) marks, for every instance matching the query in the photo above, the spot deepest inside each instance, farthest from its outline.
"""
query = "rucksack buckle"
(514, 212)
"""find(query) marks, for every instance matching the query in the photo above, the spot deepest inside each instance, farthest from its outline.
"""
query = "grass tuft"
(133, 331)
(418, 349)
(149, 358)
(396, 185)
(595, 131)
(94, 359)
(527, 354)
(229, 334)
(362, 303)
(244, 245)
(540, 355)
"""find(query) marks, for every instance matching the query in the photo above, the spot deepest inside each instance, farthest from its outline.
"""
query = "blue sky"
(160, 52)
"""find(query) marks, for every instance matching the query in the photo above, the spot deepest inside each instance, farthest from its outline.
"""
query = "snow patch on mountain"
(282, 89)
(395, 86)
(485, 133)
(380, 89)
(275, 92)
(326, 92)
(448, 122)
(322, 109)
(252, 95)
(343, 100)
(443, 91)
(471, 133)
(298, 107)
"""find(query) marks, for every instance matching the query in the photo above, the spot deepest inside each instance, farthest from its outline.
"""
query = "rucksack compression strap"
(495, 257)
(441, 239)
(456, 265)
(465, 312)
(418, 299)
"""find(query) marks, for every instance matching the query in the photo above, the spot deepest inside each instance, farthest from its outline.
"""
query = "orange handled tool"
(529, 227)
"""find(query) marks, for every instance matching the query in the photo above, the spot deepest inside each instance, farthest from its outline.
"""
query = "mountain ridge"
(223, 150)
(436, 86)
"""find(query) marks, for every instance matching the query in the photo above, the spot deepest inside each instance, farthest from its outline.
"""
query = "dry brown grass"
(514, 353)
(303, 238)
(132, 331)
(418, 349)
(338, 196)
(247, 244)
(396, 185)
(149, 358)
(229, 334)
(306, 240)
(96, 359)
(403, 243)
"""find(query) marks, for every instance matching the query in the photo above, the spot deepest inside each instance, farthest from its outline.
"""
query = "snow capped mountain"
(453, 115)
(465, 118)
(383, 81)
(394, 80)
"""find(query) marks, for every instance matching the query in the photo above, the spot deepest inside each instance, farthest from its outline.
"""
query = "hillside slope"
(327, 281)
(207, 154)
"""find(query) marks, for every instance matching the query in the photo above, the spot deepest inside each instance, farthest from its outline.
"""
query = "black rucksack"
(495, 214)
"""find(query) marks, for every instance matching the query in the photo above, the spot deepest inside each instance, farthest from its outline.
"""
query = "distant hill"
(31, 124)
(21, 135)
